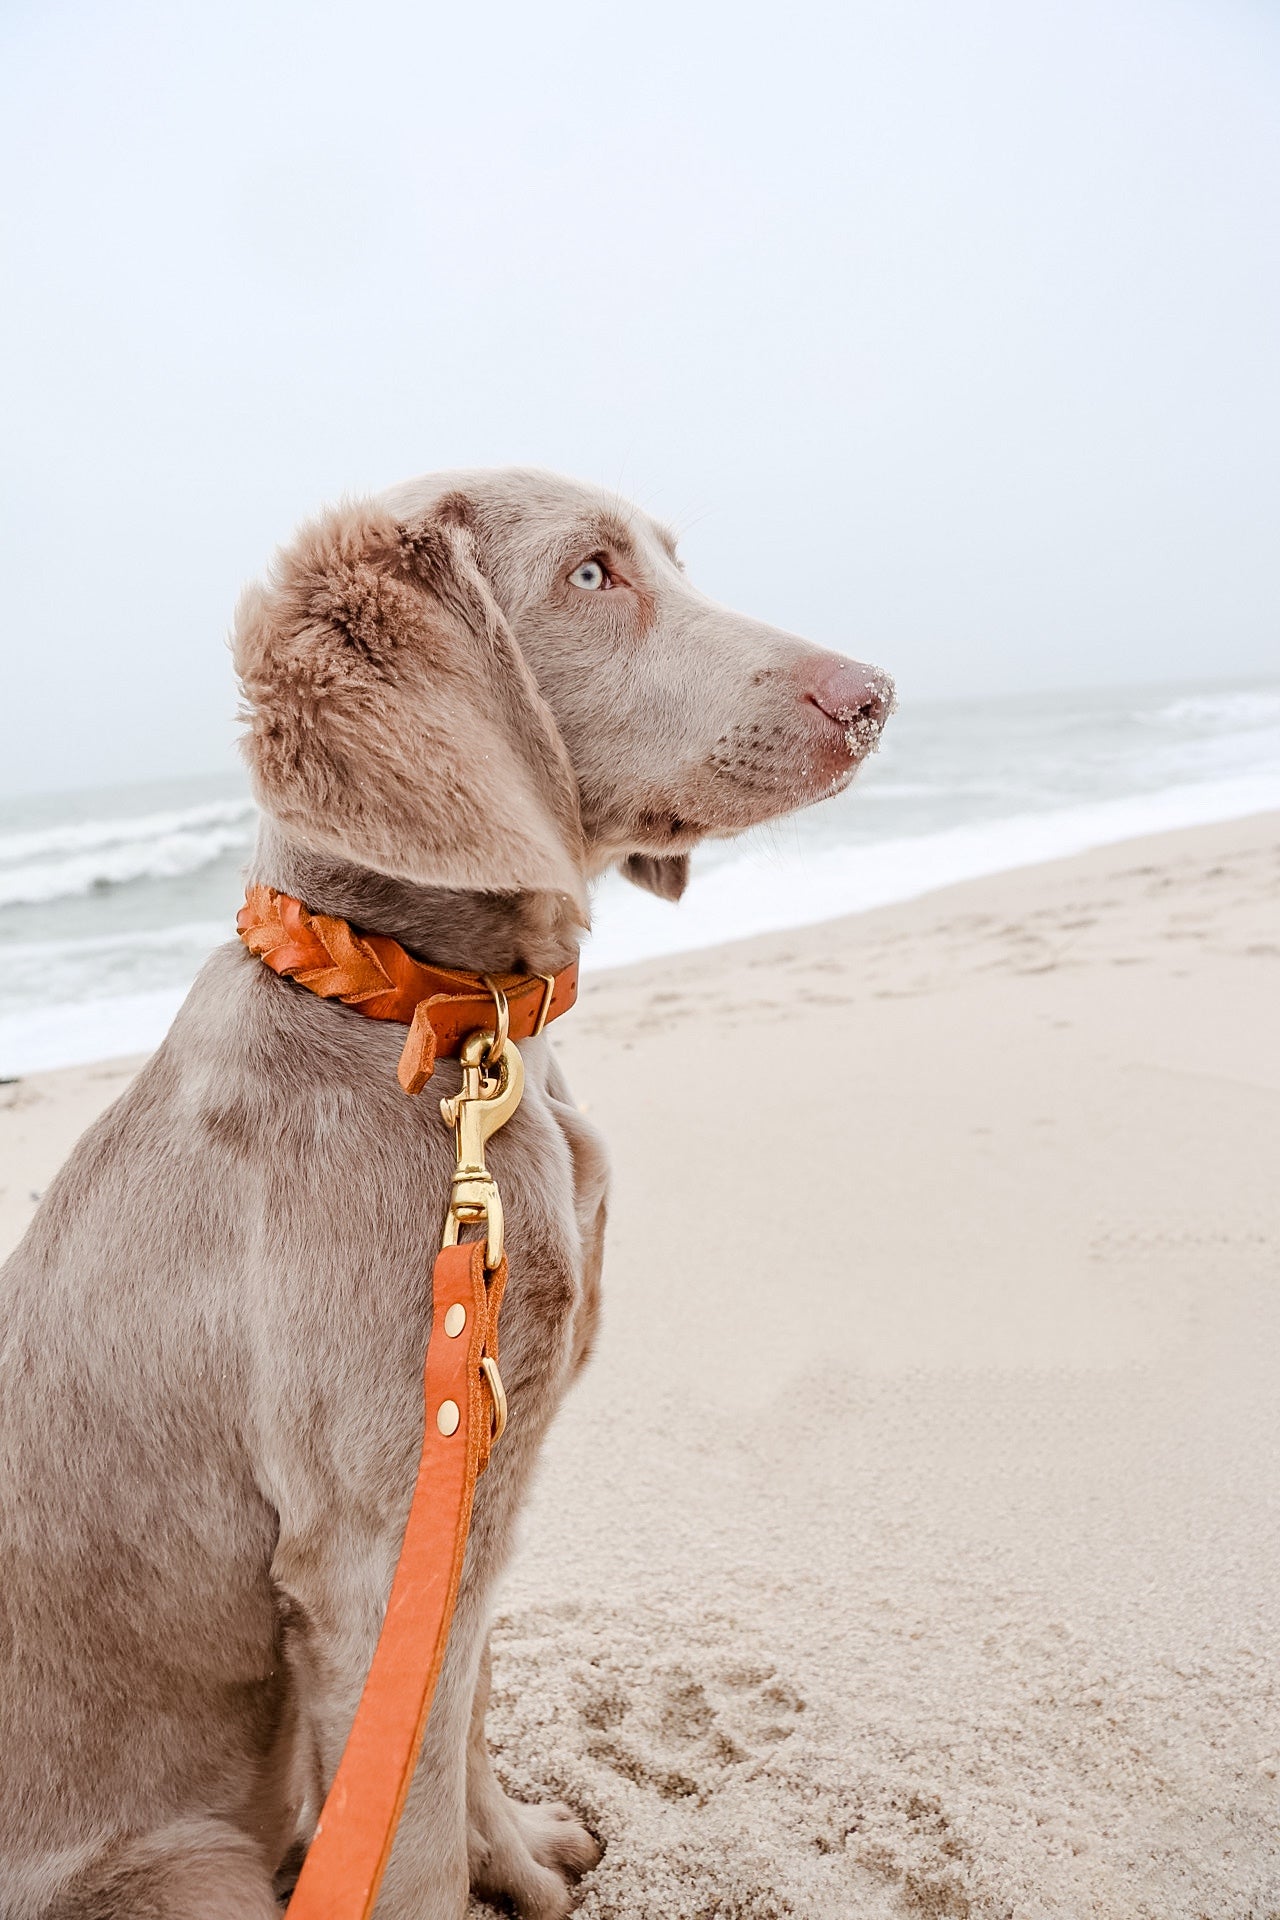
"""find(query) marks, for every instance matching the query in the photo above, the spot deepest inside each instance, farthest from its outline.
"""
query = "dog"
(464, 700)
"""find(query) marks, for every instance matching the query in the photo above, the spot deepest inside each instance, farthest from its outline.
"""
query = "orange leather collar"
(377, 977)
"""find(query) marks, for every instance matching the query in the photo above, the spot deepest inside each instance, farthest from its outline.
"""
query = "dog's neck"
(479, 932)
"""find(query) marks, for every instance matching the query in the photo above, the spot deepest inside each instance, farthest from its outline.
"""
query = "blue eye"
(590, 576)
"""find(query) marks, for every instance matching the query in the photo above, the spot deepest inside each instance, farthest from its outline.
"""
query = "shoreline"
(116, 1068)
(857, 878)
(851, 880)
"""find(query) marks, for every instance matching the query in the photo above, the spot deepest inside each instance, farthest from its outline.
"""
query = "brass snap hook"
(480, 1106)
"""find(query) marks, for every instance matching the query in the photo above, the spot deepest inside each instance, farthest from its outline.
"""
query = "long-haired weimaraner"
(464, 700)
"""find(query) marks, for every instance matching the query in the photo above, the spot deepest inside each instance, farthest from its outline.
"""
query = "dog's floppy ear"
(393, 720)
(666, 874)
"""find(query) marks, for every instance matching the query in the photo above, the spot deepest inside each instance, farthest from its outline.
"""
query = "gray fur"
(213, 1332)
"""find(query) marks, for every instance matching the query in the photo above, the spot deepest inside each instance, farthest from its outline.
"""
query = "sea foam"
(754, 892)
(61, 862)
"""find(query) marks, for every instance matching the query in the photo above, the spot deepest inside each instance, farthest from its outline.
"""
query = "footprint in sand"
(684, 1735)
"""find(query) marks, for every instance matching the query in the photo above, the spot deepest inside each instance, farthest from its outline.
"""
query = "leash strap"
(348, 1856)
(465, 1407)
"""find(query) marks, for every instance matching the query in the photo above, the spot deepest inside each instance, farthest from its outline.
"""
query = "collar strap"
(377, 977)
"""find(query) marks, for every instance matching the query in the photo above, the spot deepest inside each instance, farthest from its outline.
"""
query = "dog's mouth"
(850, 710)
(804, 749)
(848, 741)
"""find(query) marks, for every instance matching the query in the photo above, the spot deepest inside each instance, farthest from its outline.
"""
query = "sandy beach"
(912, 1546)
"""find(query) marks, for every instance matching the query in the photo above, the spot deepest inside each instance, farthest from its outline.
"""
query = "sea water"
(111, 898)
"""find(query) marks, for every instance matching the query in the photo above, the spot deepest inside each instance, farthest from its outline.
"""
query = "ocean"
(110, 898)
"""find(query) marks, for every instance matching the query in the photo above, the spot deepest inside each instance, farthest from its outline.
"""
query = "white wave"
(1247, 710)
(760, 893)
(103, 966)
(900, 790)
(757, 893)
(65, 1036)
(83, 836)
(188, 933)
(61, 862)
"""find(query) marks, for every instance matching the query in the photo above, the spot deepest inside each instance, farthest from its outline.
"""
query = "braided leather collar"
(377, 977)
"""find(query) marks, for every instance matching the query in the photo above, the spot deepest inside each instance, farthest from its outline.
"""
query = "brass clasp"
(485, 1101)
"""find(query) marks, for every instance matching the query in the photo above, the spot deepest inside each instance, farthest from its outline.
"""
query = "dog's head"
(504, 682)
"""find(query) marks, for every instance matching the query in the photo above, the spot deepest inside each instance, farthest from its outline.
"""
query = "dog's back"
(140, 1630)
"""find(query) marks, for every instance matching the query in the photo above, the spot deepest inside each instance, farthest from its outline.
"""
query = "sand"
(912, 1546)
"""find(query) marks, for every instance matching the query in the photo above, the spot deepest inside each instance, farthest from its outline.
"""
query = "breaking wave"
(59, 863)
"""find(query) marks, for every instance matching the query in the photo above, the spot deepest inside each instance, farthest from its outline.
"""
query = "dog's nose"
(858, 698)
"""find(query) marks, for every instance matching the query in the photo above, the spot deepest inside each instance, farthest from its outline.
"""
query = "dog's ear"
(393, 720)
(667, 875)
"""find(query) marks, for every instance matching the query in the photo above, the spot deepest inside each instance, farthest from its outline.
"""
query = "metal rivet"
(448, 1417)
(455, 1320)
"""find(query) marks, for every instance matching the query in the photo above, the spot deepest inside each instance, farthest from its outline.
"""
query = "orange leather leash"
(377, 977)
(348, 1855)
(472, 1016)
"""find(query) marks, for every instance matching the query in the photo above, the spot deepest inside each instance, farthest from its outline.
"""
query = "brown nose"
(859, 699)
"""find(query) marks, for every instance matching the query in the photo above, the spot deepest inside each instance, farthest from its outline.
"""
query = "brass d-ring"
(502, 1024)
(489, 1368)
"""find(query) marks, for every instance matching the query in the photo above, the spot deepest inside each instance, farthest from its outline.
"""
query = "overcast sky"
(946, 331)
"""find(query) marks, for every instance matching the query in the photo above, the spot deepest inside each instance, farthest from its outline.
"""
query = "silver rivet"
(455, 1320)
(448, 1417)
